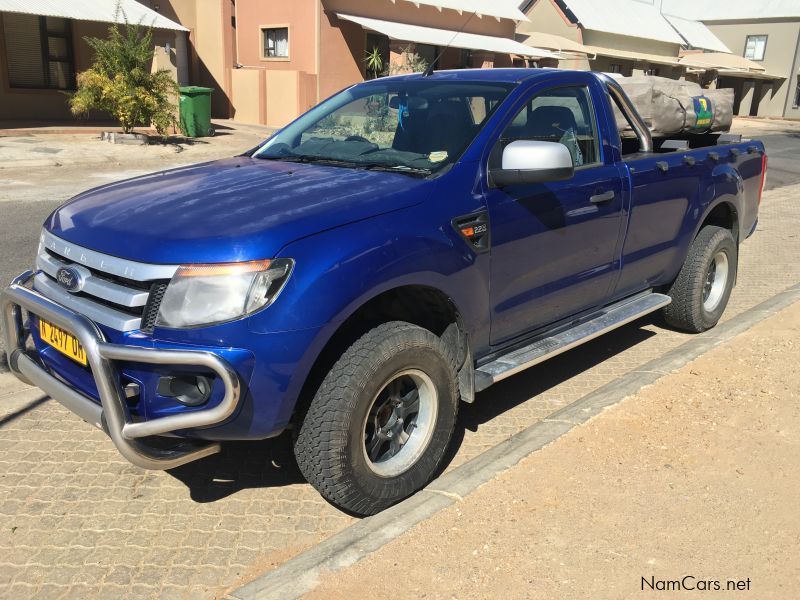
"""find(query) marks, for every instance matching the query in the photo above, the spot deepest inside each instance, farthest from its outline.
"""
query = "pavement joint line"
(445, 493)
(302, 573)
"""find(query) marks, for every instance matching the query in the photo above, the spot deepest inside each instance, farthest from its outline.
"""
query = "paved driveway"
(75, 519)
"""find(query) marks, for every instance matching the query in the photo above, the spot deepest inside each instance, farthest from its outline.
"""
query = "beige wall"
(211, 45)
(780, 58)
(546, 17)
(52, 105)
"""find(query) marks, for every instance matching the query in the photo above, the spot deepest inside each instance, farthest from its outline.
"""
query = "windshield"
(415, 126)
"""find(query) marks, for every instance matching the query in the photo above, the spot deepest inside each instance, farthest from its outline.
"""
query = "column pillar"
(748, 91)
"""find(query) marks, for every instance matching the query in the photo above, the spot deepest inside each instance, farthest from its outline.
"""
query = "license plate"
(62, 341)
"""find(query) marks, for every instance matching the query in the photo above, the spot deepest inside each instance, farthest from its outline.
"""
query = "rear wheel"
(702, 289)
(380, 423)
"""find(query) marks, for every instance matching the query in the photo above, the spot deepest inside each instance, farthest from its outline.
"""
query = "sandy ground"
(695, 477)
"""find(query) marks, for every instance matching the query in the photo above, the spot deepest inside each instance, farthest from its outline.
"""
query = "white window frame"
(756, 38)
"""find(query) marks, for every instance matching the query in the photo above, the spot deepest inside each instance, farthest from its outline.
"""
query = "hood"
(228, 210)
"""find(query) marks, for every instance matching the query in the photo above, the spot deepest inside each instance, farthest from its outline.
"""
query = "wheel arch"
(722, 213)
(421, 304)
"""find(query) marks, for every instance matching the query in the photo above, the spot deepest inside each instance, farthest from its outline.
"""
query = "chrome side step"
(609, 318)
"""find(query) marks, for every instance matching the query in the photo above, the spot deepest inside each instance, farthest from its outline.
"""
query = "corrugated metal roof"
(725, 10)
(623, 17)
(504, 9)
(696, 34)
(445, 37)
(91, 10)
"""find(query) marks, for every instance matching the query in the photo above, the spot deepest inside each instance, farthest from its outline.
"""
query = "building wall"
(52, 105)
(776, 98)
(343, 43)
(546, 17)
(211, 45)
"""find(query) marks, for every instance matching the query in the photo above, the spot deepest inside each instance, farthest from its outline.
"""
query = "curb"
(301, 574)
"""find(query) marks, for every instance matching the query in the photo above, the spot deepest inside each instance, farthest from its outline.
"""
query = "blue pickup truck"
(402, 246)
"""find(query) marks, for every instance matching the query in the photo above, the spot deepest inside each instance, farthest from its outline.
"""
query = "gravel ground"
(692, 480)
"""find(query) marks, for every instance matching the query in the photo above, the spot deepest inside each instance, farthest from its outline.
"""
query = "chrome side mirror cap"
(530, 161)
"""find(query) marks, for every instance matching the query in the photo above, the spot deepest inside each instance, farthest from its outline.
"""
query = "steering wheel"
(357, 138)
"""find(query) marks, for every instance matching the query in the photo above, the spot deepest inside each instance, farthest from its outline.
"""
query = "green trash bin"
(195, 111)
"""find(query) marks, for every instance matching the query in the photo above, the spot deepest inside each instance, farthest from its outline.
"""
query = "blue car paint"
(355, 234)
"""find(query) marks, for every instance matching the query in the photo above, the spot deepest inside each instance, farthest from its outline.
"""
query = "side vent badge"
(474, 229)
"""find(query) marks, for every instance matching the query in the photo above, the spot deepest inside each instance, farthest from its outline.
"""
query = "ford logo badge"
(70, 279)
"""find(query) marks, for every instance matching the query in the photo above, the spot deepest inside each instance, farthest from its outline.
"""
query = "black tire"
(688, 310)
(330, 443)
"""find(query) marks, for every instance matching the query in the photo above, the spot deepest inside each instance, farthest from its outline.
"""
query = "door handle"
(602, 198)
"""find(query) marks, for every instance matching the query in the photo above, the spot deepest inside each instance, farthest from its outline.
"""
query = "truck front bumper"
(134, 439)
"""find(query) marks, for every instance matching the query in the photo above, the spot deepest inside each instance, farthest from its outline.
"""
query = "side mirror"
(528, 161)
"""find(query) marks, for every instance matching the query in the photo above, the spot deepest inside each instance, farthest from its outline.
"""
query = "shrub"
(121, 83)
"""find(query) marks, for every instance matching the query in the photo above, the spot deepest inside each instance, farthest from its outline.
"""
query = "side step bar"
(611, 317)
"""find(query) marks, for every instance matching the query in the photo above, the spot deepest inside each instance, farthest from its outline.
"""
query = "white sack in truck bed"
(670, 107)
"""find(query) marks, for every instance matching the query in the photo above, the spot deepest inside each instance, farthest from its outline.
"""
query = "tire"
(702, 289)
(352, 430)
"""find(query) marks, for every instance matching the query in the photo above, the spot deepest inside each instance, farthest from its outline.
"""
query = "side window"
(561, 115)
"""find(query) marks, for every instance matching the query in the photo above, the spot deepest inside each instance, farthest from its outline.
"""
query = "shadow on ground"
(271, 463)
(239, 466)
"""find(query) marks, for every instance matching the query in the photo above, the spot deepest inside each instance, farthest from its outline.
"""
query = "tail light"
(763, 176)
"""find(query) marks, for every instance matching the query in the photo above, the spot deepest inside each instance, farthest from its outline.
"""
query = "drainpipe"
(236, 33)
(318, 36)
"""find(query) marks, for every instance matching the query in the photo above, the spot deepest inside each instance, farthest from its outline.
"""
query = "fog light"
(191, 390)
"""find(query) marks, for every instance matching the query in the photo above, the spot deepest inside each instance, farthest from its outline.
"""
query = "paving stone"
(77, 521)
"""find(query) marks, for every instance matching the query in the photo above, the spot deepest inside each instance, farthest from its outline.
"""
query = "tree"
(121, 83)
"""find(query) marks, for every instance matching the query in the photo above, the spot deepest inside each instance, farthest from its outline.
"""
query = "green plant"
(411, 62)
(374, 62)
(121, 83)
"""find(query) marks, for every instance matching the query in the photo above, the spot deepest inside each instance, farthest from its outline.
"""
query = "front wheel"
(702, 289)
(380, 423)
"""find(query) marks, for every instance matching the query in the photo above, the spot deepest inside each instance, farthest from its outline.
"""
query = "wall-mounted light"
(167, 47)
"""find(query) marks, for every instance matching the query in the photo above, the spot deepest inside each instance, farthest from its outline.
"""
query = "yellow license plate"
(62, 341)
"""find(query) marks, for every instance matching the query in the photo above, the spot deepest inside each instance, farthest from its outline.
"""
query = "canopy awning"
(696, 34)
(500, 9)
(104, 11)
(658, 59)
(720, 60)
(447, 37)
(548, 41)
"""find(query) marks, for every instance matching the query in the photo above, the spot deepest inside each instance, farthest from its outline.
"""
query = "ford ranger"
(400, 247)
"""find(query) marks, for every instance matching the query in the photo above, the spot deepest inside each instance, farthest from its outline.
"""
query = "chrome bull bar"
(113, 415)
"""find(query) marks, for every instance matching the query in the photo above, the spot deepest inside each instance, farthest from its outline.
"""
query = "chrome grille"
(115, 292)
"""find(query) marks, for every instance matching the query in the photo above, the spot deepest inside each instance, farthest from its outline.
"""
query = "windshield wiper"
(396, 169)
(350, 164)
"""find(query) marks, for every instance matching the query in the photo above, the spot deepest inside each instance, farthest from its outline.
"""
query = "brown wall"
(52, 105)
(343, 44)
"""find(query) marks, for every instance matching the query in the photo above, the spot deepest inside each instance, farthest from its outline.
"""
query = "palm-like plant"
(374, 61)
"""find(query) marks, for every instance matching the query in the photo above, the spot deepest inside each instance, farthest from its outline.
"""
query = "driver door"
(554, 244)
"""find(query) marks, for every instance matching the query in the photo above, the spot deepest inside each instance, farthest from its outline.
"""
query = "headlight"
(206, 294)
